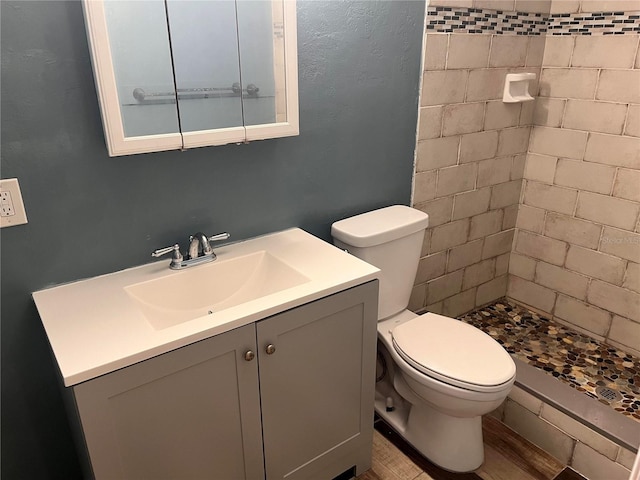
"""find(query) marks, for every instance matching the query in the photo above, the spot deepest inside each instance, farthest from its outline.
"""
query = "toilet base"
(452, 443)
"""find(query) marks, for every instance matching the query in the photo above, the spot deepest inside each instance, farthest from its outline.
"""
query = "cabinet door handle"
(249, 355)
(270, 349)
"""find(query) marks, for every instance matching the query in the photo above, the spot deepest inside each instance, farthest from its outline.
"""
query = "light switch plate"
(12, 210)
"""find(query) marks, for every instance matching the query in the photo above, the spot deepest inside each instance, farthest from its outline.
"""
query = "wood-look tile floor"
(508, 456)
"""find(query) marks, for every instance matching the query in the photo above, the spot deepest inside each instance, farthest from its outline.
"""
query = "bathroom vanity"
(276, 383)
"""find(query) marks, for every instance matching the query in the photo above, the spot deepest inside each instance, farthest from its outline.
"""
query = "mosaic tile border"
(605, 23)
(571, 357)
(498, 22)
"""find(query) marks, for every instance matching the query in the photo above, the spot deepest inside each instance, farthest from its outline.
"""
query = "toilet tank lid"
(379, 226)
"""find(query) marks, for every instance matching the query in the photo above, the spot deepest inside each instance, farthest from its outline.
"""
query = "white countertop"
(95, 327)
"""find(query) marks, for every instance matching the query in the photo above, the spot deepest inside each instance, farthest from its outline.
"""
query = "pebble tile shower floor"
(603, 372)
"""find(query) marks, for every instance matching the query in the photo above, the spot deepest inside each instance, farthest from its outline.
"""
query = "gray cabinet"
(300, 407)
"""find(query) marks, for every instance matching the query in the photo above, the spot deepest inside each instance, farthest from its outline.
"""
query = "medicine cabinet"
(179, 74)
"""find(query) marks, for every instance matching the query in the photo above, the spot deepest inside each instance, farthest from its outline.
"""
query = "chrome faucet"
(200, 251)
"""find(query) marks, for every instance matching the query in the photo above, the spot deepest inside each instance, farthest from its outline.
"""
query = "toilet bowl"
(437, 376)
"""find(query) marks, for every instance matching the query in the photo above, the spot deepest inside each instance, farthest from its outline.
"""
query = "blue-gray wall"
(90, 214)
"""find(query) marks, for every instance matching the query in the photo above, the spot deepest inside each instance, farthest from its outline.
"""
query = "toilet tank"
(391, 239)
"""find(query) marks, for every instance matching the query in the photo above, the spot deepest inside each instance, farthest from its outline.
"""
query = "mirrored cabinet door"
(176, 74)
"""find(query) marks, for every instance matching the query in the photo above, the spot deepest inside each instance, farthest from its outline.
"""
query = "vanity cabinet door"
(317, 379)
(192, 413)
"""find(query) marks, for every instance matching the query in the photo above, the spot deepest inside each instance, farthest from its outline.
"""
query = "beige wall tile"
(417, 298)
(431, 266)
(536, 430)
(464, 255)
(548, 111)
(541, 168)
(471, 203)
(585, 176)
(605, 117)
(526, 400)
(595, 264)
(506, 5)
(531, 218)
(533, 6)
(468, 50)
(558, 142)
(449, 235)
(513, 140)
(439, 211)
(462, 118)
(443, 87)
(542, 248)
(435, 56)
(632, 277)
(508, 50)
(565, 6)
(588, 317)
(619, 86)
(521, 266)
(549, 197)
(437, 153)
(501, 115)
(594, 465)
(558, 51)
(617, 300)
(604, 51)
(517, 168)
(494, 171)
(443, 287)
(632, 125)
(572, 230)
(608, 210)
(502, 264)
(579, 431)
(613, 150)
(486, 84)
(621, 243)
(451, 3)
(526, 112)
(568, 83)
(627, 185)
(531, 294)
(478, 274)
(460, 303)
(426, 242)
(535, 52)
(609, 5)
(425, 186)
(436, 307)
(478, 146)
(486, 224)
(497, 244)
(430, 122)
(561, 280)
(505, 194)
(626, 458)
(510, 216)
(457, 179)
(492, 290)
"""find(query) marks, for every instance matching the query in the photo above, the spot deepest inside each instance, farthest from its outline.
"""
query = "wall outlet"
(12, 210)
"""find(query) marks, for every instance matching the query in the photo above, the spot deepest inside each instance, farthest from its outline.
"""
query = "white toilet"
(436, 375)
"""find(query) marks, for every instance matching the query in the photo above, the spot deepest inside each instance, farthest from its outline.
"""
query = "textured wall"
(90, 214)
(577, 250)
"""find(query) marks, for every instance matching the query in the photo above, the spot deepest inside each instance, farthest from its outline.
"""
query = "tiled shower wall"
(576, 252)
(576, 249)
(471, 154)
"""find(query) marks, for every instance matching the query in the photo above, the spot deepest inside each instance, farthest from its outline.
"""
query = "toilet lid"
(453, 352)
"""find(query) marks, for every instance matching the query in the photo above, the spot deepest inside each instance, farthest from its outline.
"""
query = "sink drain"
(608, 394)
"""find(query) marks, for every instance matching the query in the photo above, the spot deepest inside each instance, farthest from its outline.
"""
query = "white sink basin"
(101, 324)
(212, 287)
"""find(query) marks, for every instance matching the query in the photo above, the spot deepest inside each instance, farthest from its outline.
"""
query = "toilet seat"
(453, 352)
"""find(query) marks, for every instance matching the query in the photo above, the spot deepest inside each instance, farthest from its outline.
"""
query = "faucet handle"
(219, 237)
(177, 256)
